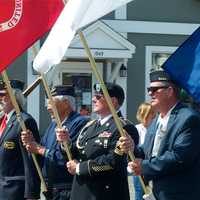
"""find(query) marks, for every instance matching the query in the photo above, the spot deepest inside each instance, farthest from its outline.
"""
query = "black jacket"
(103, 174)
(18, 176)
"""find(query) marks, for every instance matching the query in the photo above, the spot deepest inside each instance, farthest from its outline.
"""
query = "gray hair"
(21, 100)
(71, 100)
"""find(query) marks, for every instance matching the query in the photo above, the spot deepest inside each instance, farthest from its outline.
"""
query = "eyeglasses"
(98, 96)
(154, 89)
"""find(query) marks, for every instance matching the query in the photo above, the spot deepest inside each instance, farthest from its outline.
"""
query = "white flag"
(75, 15)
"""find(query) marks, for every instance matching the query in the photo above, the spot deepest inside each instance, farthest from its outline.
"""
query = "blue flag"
(183, 65)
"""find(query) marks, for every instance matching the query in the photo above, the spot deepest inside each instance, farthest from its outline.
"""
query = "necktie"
(3, 124)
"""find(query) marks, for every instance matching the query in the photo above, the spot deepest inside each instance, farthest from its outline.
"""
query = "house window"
(155, 56)
(158, 59)
(82, 86)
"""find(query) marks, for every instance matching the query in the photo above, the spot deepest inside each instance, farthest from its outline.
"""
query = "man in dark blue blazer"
(170, 156)
(19, 179)
(59, 181)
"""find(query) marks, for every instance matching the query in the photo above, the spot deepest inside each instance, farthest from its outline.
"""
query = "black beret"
(15, 84)
(159, 75)
(114, 90)
(63, 90)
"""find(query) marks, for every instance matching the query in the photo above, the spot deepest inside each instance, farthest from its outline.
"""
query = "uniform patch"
(105, 134)
(9, 145)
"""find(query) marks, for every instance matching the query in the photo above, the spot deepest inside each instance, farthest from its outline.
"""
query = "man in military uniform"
(99, 168)
(18, 176)
(59, 181)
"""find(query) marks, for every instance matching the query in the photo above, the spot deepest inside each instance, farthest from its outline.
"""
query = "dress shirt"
(142, 132)
(161, 131)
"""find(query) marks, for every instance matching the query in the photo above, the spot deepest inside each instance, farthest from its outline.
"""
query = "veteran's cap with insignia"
(15, 84)
(159, 75)
(60, 90)
(114, 90)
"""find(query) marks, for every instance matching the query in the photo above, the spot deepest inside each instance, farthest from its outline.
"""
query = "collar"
(105, 119)
(165, 119)
(71, 114)
(10, 114)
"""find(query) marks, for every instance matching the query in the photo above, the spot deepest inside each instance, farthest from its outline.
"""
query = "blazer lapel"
(169, 133)
(152, 134)
(9, 125)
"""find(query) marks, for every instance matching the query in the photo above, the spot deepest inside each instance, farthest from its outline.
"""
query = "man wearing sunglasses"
(99, 168)
(170, 156)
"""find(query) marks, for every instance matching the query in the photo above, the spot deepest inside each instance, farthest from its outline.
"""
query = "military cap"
(114, 90)
(59, 90)
(159, 75)
(15, 84)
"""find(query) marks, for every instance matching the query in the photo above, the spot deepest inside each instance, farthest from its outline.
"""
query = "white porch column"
(115, 73)
(108, 70)
(33, 99)
(122, 81)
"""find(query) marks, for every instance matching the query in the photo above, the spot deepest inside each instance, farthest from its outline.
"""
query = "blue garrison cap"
(15, 84)
(60, 90)
(114, 90)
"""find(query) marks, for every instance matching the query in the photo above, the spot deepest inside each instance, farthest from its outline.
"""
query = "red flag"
(22, 22)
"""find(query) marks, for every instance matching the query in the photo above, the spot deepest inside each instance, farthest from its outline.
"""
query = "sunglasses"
(3, 94)
(154, 89)
(98, 96)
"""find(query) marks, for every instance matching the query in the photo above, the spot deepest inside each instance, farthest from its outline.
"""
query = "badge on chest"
(103, 138)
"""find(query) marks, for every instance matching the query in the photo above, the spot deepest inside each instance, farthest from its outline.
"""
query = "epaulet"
(125, 121)
(89, 123)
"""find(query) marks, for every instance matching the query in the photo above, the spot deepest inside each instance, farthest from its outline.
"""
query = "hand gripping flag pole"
(109, 102)
(22, 124)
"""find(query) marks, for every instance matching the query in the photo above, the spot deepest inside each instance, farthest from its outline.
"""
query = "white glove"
(129, 170)
(149, 197)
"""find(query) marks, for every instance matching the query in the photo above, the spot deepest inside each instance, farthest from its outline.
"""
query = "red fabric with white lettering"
(22, 22)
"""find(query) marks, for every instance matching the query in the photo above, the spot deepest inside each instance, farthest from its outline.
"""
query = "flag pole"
(22, 124)
(56, 115)
(107, 98)
(31, 87)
